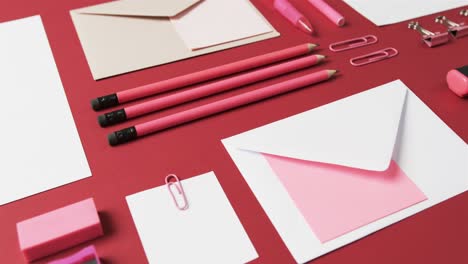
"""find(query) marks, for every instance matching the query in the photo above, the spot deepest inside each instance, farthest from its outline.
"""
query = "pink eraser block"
(59, 229)
(84, 256)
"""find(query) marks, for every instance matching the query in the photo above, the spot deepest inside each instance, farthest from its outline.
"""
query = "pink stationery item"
(353, 43)
(201, 91)
(383, 54)
(432, 39)
(181, 202)
(156, 125)
(336, 200)
(87, 255)
(457, 81)
(59, 229)
(329, 12)
(285, 8)
(136, 93)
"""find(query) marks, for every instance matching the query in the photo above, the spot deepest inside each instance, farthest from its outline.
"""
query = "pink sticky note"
(335, 200)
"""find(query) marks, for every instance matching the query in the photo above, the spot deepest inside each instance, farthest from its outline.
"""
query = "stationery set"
(325, 177)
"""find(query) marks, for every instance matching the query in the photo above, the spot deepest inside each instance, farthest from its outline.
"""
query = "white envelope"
(365, 131)
(128, 35)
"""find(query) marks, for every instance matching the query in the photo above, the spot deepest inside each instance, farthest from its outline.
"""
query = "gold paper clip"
(180, 200)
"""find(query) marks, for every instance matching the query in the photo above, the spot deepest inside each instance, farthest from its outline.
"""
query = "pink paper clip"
(374, 57)
(431, 39)
(87, 255)
(353, 43)
(456, 30)
(173, 180)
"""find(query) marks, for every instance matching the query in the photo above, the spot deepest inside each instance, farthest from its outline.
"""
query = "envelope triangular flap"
(143, 8)
(359, 131)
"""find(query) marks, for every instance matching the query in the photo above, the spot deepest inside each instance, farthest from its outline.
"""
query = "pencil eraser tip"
(95, 104)
(112, 138)
(102, 120)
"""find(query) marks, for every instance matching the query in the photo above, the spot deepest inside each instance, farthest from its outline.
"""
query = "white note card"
(207, 232)
(214, 22)
(384, 12)
(39, 145)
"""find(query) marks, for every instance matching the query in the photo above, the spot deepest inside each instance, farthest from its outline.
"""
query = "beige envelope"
(128, 35)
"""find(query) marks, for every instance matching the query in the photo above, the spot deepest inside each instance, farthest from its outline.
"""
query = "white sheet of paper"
(39, 145)
(384, 12)
(214, 22)
(207, 232)
(424, 147)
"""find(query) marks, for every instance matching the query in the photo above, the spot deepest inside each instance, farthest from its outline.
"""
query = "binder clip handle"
(178, 195)
(464, 12)
(430, 38)
(456, 30)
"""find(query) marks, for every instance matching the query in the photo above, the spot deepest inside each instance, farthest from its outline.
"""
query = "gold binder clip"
(455, 29)
(431, 39)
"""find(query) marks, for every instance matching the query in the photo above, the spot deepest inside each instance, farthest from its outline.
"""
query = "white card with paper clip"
(208, 231)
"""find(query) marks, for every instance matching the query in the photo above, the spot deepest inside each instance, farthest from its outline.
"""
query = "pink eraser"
(59, 229)
(87, 255)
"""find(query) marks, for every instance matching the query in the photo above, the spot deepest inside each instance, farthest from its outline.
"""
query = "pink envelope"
(335, 200)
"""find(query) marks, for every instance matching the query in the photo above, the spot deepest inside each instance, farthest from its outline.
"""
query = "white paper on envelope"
(368, 131)
(207, 232)
(214, 22)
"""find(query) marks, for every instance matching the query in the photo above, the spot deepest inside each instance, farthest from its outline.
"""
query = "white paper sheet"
(214, 22)
(207, 232)
(425, 148)
(384, 12)
(39, 145)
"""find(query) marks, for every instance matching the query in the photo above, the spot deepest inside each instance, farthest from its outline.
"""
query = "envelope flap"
(145, 8)
(359, 131)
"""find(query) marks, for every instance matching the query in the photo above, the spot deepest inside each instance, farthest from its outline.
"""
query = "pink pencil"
(118, 98)
(157, 104)
(143, 129)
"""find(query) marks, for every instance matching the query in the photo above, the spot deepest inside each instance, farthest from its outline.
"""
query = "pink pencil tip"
(305, 26)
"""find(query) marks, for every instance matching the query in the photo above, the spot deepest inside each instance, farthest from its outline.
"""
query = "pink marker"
(329, 12)
(286, 9)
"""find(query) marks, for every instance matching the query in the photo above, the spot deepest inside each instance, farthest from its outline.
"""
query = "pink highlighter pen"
(285, 8)
(329, 12)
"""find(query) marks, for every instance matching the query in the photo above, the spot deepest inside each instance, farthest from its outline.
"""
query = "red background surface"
(437, 235)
